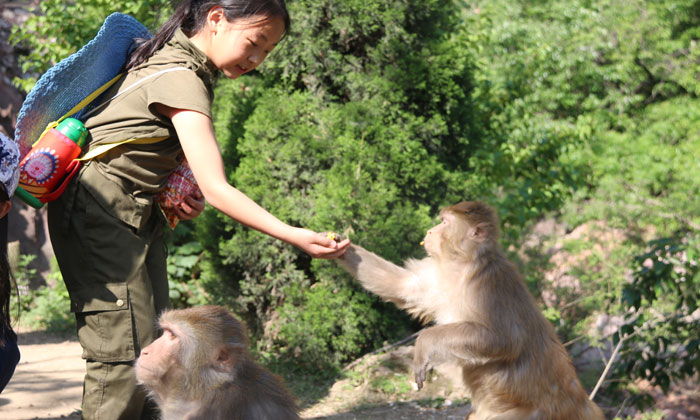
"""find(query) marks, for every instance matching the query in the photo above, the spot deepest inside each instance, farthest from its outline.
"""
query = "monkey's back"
(535, 386)
(263, 396)
(541, 382)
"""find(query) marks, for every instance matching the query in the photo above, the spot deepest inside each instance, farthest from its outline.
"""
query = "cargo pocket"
(104, 322)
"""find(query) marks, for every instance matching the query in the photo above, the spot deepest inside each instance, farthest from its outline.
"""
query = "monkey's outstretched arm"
(468, 343)
(376, 274)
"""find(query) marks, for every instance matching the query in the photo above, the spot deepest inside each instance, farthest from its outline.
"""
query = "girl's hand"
(191, 206)
(318, 245)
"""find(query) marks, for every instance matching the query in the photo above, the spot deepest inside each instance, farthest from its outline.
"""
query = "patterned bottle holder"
(43, 170)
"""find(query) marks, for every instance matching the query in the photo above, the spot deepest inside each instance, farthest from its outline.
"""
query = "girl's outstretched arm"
(196, 133)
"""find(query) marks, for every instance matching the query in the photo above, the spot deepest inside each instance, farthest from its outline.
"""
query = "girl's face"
(239, 46)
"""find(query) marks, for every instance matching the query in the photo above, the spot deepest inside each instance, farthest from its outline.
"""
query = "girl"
(107, 232)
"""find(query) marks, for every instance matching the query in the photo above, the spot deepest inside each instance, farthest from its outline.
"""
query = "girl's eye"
(253, 43)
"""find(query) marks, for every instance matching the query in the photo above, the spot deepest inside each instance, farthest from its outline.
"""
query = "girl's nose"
(254, 59)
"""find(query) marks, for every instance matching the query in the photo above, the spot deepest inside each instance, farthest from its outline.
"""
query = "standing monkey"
(485, 320)
(200, 369)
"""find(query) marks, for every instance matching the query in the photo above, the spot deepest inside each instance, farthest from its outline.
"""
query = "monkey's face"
(434, 236)
(160, 358)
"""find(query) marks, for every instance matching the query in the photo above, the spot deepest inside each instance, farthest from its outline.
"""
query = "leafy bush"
(182, 276)
(369, 117)
(46, 308)
(366, 120)
(336, 148)
(317, 328)
(50, 306)
(662, 343)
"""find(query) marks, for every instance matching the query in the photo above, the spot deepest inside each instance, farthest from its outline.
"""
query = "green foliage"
(336, 148)
(49, 306)
(364, 120)
(58, 28)
(643, 183)
(392, 385)
(367, 119)
(646, 184)
(646, 172)
(24, 274)
(183, 272)
(648, 415)
(371, 115)
(45, 308)
(320, 326)
(663, 319)
(621, 77)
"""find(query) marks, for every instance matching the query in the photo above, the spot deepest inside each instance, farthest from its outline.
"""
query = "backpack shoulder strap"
(105, 147)
(128, 89)
(82, 104)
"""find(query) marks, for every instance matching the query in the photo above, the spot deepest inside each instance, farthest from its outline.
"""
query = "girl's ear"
(215, 17)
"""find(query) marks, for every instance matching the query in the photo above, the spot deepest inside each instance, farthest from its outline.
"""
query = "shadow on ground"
(72, 416)
(401, 411)
(44, 337)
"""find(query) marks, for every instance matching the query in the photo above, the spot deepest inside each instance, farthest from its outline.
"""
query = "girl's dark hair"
(190, 15)
(6, 287)
(6, 284)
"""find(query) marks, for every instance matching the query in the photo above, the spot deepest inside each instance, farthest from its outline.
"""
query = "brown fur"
(485, 320)
(202, 370)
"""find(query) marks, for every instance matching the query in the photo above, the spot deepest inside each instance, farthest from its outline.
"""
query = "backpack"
(69, 87)
(74, 88)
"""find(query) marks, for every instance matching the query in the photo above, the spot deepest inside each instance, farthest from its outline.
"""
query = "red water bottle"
(43, 171)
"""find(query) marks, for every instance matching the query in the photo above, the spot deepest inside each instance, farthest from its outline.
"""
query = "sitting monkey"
(200, 369)
(486, 320)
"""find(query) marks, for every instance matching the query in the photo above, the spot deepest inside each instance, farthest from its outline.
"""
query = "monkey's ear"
(479, 232)
(227, 357)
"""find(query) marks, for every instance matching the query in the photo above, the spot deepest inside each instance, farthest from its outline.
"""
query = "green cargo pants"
(110, 249)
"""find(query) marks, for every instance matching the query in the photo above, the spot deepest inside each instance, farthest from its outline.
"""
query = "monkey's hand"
(420, 360)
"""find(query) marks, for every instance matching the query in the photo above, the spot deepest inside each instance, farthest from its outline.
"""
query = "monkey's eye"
(168, 334)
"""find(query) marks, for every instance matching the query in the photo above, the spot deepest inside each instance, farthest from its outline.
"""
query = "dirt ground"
(47, 385)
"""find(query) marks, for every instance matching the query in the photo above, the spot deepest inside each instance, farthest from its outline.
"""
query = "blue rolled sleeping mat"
(67, 83)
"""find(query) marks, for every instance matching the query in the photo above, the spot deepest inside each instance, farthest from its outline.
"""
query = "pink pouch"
(181, 183)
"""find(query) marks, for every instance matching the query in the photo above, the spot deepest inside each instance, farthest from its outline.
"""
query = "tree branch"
(383, 349)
